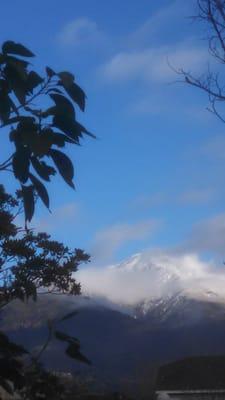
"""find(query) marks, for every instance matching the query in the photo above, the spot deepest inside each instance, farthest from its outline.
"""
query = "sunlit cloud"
(153, 274)
(154, 64)
(79, 32)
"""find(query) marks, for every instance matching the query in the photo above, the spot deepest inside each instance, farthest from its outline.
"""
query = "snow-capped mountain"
(172, 307)
(161, 287)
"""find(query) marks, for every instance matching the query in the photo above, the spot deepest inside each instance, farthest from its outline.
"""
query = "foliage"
(38, 132)
(211, 13)
(32, 264)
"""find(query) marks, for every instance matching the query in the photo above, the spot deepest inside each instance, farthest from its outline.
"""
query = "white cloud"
(151, 275)
(81, 31)
(109, 240)
(152, 64)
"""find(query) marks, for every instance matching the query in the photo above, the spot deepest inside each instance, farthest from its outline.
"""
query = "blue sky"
(155, 176)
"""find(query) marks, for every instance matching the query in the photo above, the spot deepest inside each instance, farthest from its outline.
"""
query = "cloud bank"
(151, 275)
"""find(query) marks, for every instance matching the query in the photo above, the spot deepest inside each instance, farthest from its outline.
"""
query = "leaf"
(21, 164)
(33, 80)
(73, 349)
(5, 107)
(59, 139)
(66, 77)
(41, 190)
(10, 47)
(83, 129)
(76, 94)
(28, 201)
(25, 120)
(43, 170)
(64, 166)
(50, 72)
(73, 352)
(56, 138)
(16, 61)
(16, 76)
(66, 338)
(69, 315)
(63, 105)
(68, 126)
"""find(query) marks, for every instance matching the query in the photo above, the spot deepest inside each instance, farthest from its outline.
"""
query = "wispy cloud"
(153, 64)
(108, 241)
(80, 32)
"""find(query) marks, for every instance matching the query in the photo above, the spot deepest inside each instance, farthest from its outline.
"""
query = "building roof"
(194, 373)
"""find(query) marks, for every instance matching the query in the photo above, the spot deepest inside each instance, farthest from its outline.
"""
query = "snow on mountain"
(159, 285)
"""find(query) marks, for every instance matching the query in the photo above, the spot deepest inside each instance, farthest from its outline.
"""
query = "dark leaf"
(16, 76)
(68, 126)
(64, 166)
(21, 164)
(73, 349)
(63, 105)
(22, 119)
(2, 58)
(56, 138)
(50, 72)
(66, 77)
(41, 190)
(5, 107)
(59, 139)
(16, 62)
(28, 201)
(33, 80)
(69, 315)
(83, 129)
(76, 94)
(43, 170)
(48, 112)
(66, 338)
(73, 352)
(11, 47)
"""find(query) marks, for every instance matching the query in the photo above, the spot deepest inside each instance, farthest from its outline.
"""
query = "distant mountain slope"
(184, 316)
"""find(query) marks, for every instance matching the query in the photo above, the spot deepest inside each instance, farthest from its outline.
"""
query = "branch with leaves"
(38, 132)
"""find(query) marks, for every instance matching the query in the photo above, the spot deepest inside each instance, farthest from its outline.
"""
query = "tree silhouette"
(33, 264)
(39, 113)
(211, 13)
